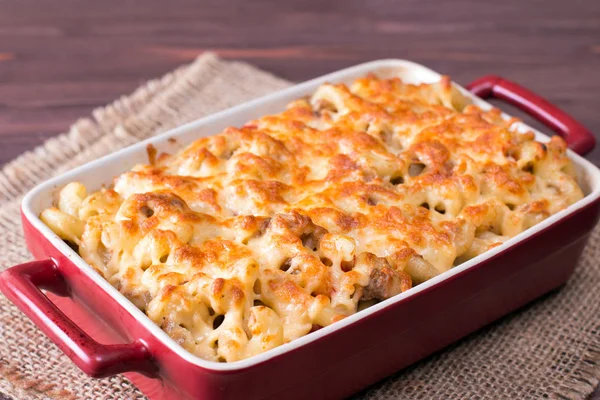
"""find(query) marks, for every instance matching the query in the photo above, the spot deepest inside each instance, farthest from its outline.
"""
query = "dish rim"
(591, 174)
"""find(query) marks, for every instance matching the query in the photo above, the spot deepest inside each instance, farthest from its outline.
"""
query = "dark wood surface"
(59, 60)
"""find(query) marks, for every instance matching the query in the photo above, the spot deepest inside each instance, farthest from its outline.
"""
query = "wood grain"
(59, 60)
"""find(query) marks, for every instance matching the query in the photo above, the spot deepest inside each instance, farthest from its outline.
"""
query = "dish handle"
(22, 285)
(578, 137)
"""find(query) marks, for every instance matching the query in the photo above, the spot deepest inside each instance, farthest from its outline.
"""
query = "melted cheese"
(259, 235)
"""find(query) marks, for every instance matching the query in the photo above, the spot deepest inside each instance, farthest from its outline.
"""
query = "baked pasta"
(259, 235)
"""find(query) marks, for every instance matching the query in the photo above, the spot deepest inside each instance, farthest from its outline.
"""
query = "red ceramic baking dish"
(105, 334)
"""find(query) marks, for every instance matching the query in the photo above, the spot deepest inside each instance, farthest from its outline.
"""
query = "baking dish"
(334, 361)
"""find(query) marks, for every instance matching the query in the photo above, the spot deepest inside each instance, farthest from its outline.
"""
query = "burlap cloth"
(549, 349)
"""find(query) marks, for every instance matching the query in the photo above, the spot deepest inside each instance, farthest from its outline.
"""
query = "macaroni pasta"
(262, 234)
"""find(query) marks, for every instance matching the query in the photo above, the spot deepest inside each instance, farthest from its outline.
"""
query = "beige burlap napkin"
(550, 349)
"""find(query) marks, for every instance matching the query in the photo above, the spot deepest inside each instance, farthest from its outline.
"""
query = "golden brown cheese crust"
(262, 234)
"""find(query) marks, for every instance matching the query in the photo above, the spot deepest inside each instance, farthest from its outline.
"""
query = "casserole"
(261, 234)
(469, 295)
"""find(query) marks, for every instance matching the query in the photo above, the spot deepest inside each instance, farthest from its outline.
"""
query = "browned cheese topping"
(259, 235)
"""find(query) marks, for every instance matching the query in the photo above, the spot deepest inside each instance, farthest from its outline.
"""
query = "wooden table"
(59, 60)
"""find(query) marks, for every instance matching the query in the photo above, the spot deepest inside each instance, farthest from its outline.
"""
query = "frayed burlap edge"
(585, 379)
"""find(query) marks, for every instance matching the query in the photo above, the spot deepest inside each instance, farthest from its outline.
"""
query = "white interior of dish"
(102, 171)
